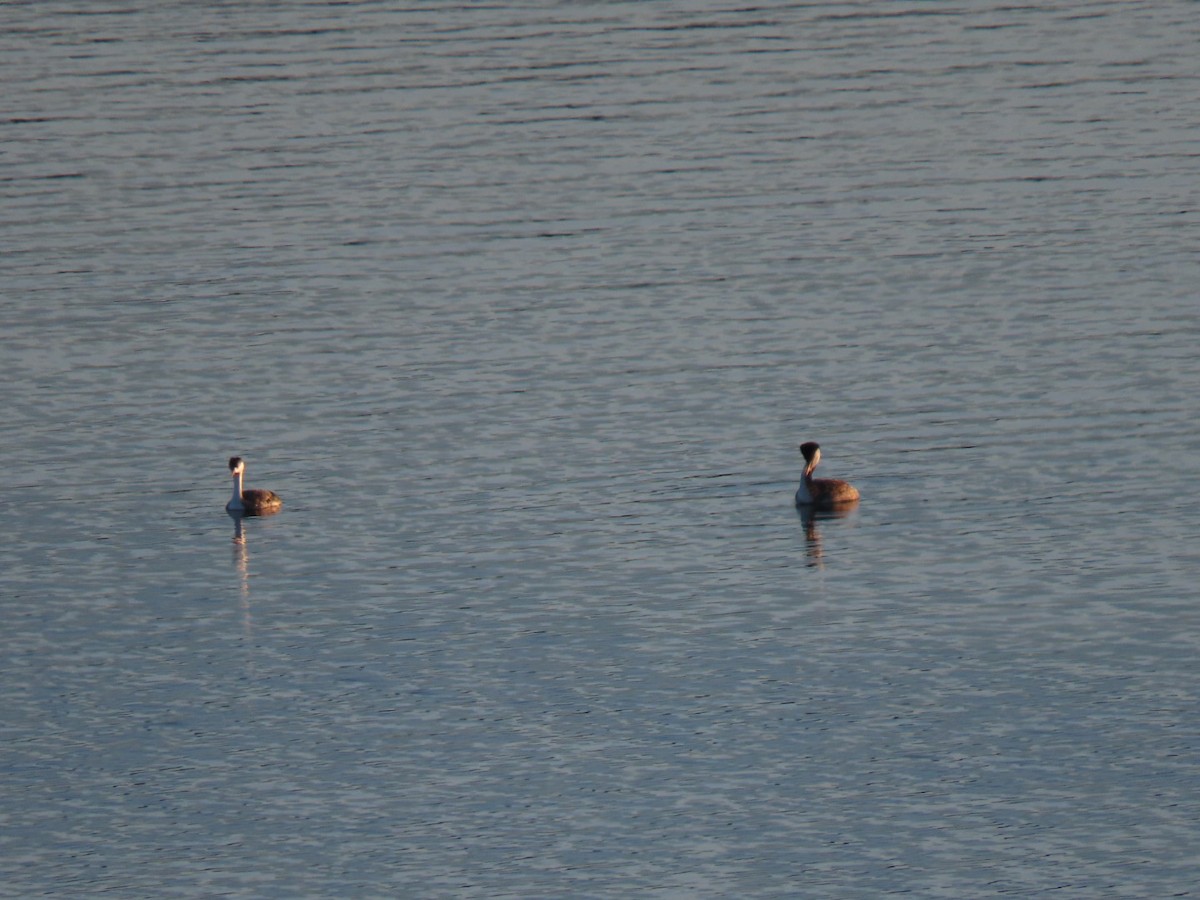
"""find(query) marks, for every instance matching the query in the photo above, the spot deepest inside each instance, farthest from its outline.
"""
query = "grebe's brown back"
(821, 493)
(252, 502)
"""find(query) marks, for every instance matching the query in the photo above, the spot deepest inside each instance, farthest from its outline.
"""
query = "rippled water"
(524, 311)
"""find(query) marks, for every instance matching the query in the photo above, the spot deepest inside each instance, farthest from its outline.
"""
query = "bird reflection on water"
(809, 518)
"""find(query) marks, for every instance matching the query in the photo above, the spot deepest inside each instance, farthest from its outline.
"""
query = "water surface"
(524, 312)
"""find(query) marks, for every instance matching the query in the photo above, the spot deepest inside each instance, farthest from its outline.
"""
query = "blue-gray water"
(524, 311)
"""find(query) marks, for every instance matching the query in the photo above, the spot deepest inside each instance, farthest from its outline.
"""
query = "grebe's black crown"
(234, 462)
(808, 448)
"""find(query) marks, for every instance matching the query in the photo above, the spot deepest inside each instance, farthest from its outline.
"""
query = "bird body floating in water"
(821, 493)
(252, 502)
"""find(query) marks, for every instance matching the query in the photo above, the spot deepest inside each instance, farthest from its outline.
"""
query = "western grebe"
(254, 502)
(821, 493)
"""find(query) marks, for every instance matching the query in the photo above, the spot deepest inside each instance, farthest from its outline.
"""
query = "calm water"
(524, 311)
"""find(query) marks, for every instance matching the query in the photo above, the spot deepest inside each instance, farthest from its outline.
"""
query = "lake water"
(524, 311)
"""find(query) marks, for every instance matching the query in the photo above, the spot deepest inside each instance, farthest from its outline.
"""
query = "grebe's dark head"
(812, 456)
(236, 465)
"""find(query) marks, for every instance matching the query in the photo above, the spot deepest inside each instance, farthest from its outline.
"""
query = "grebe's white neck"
(812, 456)
(235, 502)
(803, 494)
